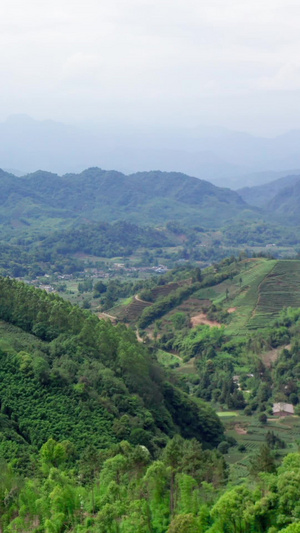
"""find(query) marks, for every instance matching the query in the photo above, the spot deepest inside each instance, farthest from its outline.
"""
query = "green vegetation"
(105, 240)
(52, 224)
(97, 437)
(278, 290)
(94, 193)
(86, 374)
(111, 426)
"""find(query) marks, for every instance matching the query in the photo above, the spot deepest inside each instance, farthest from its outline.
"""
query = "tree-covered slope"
(104, 239)
(92, 427)
(95, 194)
(77, 378)
(262, 195)
(279, 199)
(286, 204)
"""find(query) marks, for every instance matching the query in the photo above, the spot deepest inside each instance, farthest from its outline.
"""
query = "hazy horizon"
(224, 157)
(210, 89)
(174, 63)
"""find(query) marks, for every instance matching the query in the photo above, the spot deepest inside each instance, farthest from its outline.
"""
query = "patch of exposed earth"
(106, 316)
(202, 319)
(272, 355)
(240, 430)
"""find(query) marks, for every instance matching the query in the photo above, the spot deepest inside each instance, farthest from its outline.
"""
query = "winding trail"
(138, 299)
(101, 315)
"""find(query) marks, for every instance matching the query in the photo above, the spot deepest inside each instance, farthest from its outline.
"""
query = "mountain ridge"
(97, 194)
(222, 156)
(261, 195)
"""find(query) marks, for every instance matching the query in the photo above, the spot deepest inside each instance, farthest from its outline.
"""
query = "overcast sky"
(234, 63)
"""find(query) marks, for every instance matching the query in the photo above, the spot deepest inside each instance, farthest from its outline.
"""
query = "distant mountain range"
(43, 198)
(224, 157)
(262, 195)
(286, 203)
(280, 198)
(44, 201)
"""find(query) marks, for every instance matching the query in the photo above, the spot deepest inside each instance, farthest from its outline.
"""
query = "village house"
(283, 409)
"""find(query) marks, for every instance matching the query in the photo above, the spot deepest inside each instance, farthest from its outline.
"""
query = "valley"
(143, 352)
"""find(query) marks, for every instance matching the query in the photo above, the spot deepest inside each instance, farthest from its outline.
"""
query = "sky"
(175, 63)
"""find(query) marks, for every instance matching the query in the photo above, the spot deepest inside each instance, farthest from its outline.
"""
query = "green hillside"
(261, 195)
(254, 290)
(279, 289)
(103, 239)
(236, 285)
(160, 418)
(42, 198)
(97, 437)
(67, 375)
(285, 204)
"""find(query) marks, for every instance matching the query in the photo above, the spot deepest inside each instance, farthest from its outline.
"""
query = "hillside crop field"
(258, 294)
(255, 292)
(246, 300)
(94, 409)
(251, 434)
(280, 288)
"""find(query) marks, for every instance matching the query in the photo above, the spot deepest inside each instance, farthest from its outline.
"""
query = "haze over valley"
(224, 157)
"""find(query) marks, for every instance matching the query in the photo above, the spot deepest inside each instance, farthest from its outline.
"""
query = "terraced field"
(132, 312)
(287, 429)
(257, 294)
(164, 290)
(279, 289)
(247, 297)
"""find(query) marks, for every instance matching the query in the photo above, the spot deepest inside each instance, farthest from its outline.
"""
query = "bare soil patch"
(231, 310)
(270, 357)
(202, 319)
(106, 316)
(239, 430)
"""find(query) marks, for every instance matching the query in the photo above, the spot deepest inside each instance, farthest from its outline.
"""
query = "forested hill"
(95, 194)
(287, 203)
(66, 374)
(106, 239)
(262, 195)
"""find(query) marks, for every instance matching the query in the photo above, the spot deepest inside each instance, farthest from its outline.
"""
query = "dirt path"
(138, 299)
(202, 319)
(139, 338)
(106, 315)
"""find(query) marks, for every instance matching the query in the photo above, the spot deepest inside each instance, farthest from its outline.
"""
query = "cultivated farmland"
(279, 289)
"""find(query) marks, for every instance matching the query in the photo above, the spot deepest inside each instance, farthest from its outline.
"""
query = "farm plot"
(279, 289)
(287, 429)
(164, 290)
(246, 301)
(133, 311)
